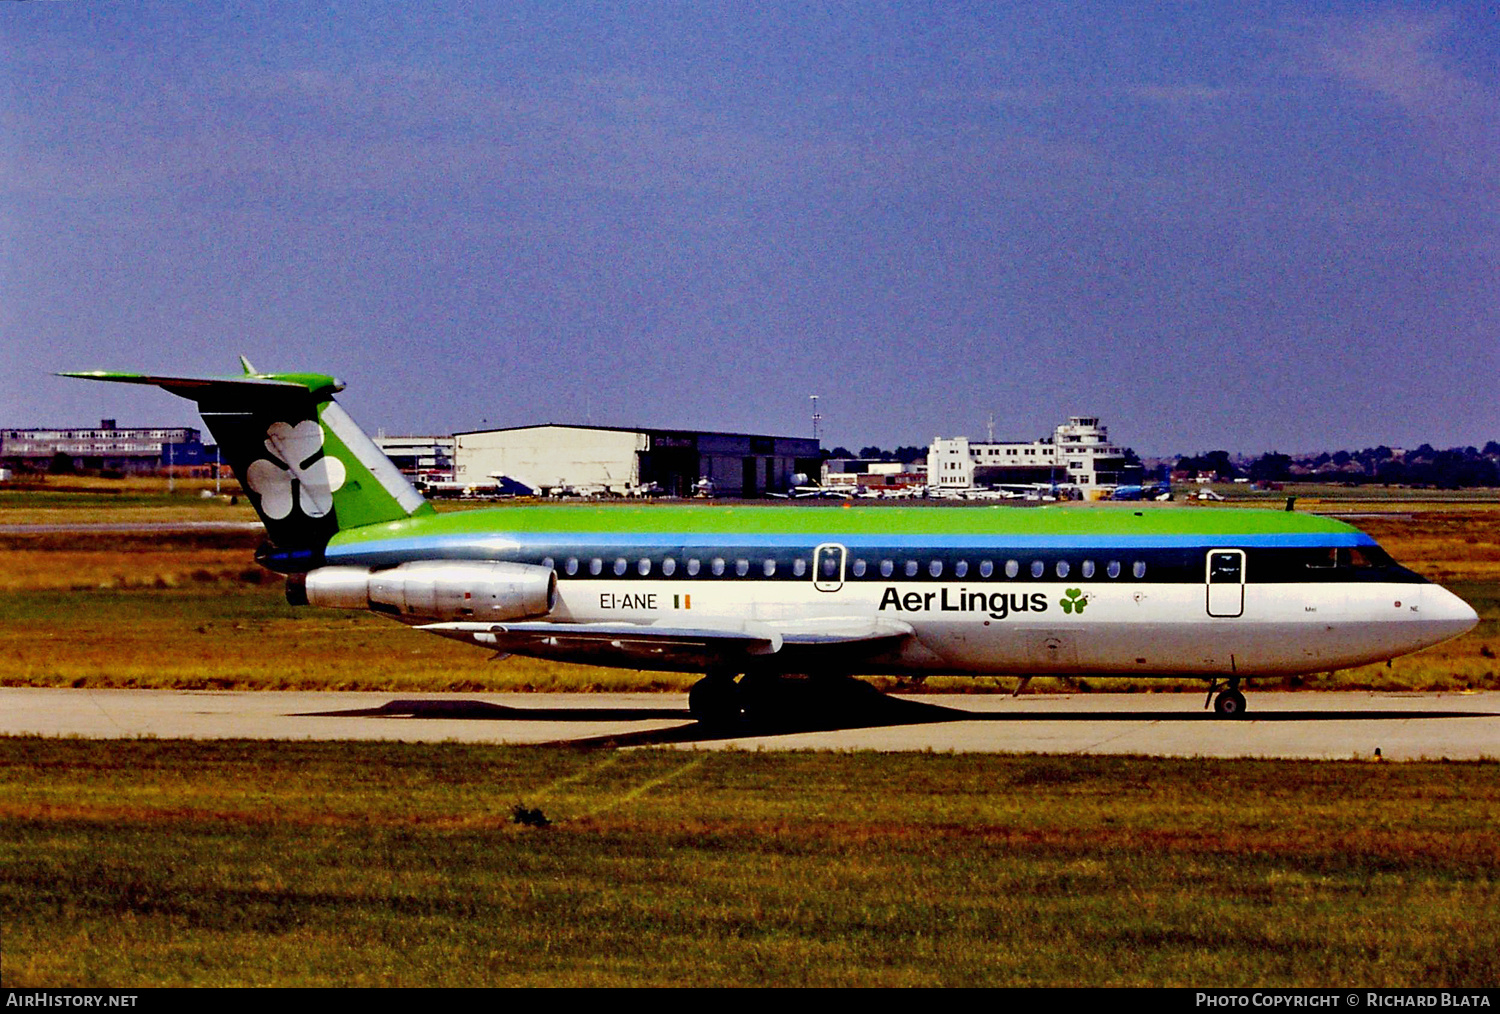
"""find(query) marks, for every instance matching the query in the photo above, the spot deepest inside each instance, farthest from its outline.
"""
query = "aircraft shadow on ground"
(789, 706)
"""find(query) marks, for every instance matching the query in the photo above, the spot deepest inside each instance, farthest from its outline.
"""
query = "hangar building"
(419, 457)
(625, 461)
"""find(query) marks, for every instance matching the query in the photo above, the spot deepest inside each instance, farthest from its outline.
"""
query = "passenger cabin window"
(1038, 568)
(693, 566)
(859, 568)
(911, 568)
(1113, 568)
(741, 568)
(799, 567)
(668, 567)
(935, 568)
(769, 569)
(986, 568)
(620, 565)
(596, 566)
(961, 568)
(717, 566)
(1138, 569)
(1012, 569)
(571, 566)
(887, 568)
(548, 562)
(1088, 568)
(643, 568)
(1062, 568)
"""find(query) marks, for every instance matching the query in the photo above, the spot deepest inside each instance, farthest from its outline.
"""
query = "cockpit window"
(1356, 557)
(1365, 557)
(1322, 559)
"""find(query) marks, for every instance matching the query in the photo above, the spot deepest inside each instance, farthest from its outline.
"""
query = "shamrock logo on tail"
(1073, 601)
(298, 472)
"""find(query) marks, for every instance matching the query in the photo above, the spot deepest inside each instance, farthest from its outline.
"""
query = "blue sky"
(1238, 225)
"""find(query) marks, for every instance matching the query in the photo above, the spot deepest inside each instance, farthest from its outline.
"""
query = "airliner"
(740, 593)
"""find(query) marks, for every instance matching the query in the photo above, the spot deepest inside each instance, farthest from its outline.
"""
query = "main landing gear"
(715, 699)
(1230, 703)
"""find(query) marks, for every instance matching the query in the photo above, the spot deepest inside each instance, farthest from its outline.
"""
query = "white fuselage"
(1142, 628)
(1123, 594)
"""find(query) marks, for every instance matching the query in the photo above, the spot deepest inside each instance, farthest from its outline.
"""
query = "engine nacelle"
(432, 590)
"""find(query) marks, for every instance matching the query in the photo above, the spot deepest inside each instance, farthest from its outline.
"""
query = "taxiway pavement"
(1344, 725)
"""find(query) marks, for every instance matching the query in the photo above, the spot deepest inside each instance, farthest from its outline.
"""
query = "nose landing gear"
(1230, 703)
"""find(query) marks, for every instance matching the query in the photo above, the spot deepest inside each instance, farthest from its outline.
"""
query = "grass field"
(163, 863)
(59, 499)
(190, 610)
(136, 863)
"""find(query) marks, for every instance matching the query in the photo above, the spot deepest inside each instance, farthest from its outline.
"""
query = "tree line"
(1453, 468)
(905, 455)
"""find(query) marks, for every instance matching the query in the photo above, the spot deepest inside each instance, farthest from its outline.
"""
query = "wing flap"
(670, 646)
(841, 630)
(752, 642)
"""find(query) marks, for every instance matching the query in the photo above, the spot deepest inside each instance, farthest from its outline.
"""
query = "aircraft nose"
(1445, 615)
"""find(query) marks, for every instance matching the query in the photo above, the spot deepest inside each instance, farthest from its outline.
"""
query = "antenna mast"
(816, 417)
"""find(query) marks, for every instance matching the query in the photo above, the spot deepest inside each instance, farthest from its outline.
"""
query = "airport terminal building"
(106, 447)
(626, 461)
(1077, 453)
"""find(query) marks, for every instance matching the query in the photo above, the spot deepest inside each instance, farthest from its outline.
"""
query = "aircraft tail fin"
(307, 468)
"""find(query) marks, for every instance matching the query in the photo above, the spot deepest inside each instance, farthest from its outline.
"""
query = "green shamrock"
(1074, 601)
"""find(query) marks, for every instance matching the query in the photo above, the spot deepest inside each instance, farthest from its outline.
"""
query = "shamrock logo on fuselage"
(298, 474)
(1073, 601)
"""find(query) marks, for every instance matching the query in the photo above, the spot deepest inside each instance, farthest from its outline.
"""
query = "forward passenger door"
(1226, 582)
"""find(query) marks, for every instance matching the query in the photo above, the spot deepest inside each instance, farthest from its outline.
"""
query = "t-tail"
(307, 468)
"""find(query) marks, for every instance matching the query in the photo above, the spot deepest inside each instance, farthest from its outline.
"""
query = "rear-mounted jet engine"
(432, 590)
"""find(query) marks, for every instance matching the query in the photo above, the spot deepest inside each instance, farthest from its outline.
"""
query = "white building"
(1077, 453)
(619, 460)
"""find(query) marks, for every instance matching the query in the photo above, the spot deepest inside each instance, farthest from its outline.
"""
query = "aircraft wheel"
(715, 700)
(1230, 704)
(759, 692)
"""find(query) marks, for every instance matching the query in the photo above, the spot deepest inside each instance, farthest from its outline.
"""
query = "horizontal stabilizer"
(307, 468)
(197, 388)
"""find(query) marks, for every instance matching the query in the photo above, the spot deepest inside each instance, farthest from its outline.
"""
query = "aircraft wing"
(728, 643)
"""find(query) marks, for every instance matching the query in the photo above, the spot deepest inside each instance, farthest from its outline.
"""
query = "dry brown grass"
(1460, 543)
(32, 570)
(97, 610)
